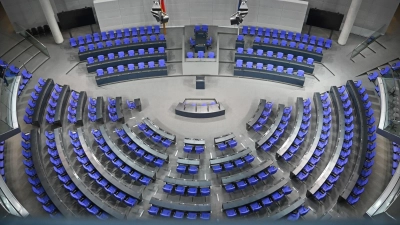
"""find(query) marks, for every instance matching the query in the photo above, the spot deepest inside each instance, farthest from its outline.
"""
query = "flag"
(163, 6)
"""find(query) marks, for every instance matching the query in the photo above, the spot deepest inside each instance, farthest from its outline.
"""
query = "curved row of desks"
(340, 123)
(131, 75)
(81, 107)
(199, 111)
(288, 209)
(187, 182)
(287, 50)
(257, 114)
(255, 197)
(38, 163)
(61, 105)
(10, 126)
(275, 61)
(269, 75)
(246, 174)
(125, 158)
(99, 109)
(78, 181)
(41, 102)
(223, 138)
(103, 171)
(272, 128)
(186, 161)
(115, 49)
(91, 68)
(158, 130)
(139, 142)
(181, 206)
(319, 114)
(228, 158)
(362, 138)
(299, 119)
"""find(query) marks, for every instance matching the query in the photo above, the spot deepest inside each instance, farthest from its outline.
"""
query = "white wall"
(28, 13)
(283, 14)
(372, 15)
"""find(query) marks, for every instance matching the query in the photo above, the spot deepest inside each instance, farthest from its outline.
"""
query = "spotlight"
(158, 14)
(237, 18)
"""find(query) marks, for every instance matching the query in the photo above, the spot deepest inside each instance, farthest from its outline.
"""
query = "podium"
(200, 82)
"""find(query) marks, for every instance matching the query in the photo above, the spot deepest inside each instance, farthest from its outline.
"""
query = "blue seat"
(165, 212)
(243, 210)
(319, 195)
(181, 168)
(91, 47)
(72, 42)
(275, 41)
(200, 54)
(228, 166)
(199, 149)
(328, 43)
(249, 158)
(141, 65)
(143, 38)
(135, 40)
(192, 191)
(310, 48)
(276, 196)
(81, 40)
(205, 191)
(292, 44)
(109, 44)
(239, 162)
(216, 168)
(153, 210)
(222, 146)
(168, 188)
(289, 35)
(275, 33)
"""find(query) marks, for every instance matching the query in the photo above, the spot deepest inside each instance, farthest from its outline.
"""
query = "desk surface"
(158, 130)
(272, 128)
(187, 182)
(232, 157)
(186, 207)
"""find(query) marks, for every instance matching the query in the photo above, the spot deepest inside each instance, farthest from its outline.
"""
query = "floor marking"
(176, 152)
(135, 124)
(217, 197)
(169, 172)
(141, 214)
(258, 159)
(205, 176)
(155, 192)
(251, 139)
(243, 145)
(210, 155)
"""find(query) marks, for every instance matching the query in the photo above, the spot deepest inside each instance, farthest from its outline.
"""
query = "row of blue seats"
(197, 148)
(52, 104)
(72, 107)
(346, 147)
(323, 139)
(298, 37)
(67, 182)
(358, 189)
(262, 120)
(164, 212)
(118, 42)
(200, 54)
(217, 168)
(33, 179)
(305, 124)
(121, 54)
(291, 44)
(202, 27)
(192, 42)
(96, 176)
(110, 35)
(257, 205)
(182, 190)
(92, 109)
(13, 69)
(112, 109)
(138, 151)
(135, 175)
(280, 130)
(154, 136)
(131, 67)
(279, 55)
(396, 157)
(383, 72)
(26, 76)
(2, 172)
(29, 110)
(270, 67)
(253, 180)
(297, 213)
(191, 169)
(231, 143)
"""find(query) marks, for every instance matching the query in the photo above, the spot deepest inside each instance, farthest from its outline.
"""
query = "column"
(51, 20)
(349, 22)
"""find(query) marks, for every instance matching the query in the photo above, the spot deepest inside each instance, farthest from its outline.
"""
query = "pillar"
(51, 20)
(349, 22)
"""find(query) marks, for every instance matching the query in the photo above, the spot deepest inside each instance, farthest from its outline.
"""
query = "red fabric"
(163, 6)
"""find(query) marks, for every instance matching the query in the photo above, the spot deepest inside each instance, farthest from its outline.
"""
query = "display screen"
(324, 19)
(76, 18)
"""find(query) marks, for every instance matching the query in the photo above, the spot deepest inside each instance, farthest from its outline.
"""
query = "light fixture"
(243, 10)
(158, 14)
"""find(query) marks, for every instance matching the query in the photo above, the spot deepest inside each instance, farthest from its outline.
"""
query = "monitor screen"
(76, 18)
(324, 19)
